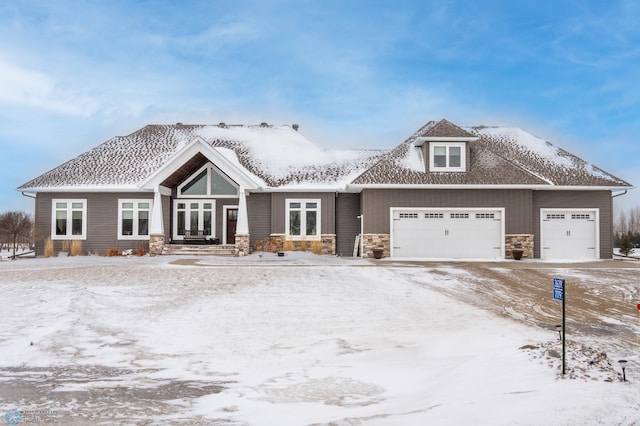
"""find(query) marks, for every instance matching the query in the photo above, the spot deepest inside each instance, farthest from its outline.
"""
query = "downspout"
(361, 217)
(622, 193)
(335, 222)
(27, 195)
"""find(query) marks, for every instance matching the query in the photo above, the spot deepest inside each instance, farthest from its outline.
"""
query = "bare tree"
(16, 225)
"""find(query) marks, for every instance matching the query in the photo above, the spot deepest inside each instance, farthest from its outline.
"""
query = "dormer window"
(447, 156)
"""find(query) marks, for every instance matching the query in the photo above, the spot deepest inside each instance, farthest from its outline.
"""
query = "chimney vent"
(222, 125)
(295, 127)
(264, 124)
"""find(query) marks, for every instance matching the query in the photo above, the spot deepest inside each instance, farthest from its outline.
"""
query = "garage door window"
(581, 216)
(485, 215)
(459, 215)
(555, 217)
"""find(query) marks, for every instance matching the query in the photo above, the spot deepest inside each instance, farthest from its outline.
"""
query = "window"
(133, 219)
(69, 219)
(485, 215)
(434, 215)
(555, 216)
(581, 216)
(447, 157)
(459, 216)
(303, 219)
(209, 181)
(193, 215)
(408, 215)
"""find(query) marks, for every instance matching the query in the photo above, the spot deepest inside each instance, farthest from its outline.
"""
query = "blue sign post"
(559, 294)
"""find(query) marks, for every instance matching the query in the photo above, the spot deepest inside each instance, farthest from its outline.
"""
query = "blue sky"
(353, 74)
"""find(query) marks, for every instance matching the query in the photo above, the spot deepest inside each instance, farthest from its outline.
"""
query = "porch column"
(156, 228)
(242, 226)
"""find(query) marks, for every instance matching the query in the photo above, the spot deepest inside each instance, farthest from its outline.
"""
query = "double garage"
(479, 233)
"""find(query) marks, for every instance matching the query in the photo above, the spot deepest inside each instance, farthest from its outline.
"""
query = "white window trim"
(208, 167)
(176, 201)
(135, 202)
(463, 156)
(69, 235)
(303, 219)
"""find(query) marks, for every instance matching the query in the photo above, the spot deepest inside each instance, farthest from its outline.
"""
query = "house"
(445, 192)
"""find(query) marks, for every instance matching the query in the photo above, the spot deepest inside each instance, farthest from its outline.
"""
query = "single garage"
(569, 234)
(458, 233)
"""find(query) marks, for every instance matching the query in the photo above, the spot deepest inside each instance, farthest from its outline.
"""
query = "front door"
(232, 220)
(193, 215)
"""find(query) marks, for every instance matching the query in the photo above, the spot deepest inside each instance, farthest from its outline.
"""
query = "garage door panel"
(447, 234)
(569, 234)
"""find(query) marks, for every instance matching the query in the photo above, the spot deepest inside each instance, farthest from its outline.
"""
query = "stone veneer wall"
(278, 242)
(156, 244)
(519, 241)
(242, 245)
(376, 241)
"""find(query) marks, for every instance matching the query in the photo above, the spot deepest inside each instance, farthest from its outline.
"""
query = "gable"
(495, 156)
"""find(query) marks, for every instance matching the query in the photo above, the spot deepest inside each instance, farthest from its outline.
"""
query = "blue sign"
(558, 288)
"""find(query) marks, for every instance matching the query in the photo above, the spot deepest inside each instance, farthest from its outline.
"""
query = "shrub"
(626, 245)
(140, 251)
(287, 245)
(66, 246)
(112, 252)
(76, 248)
(48, 248)
(316, 247)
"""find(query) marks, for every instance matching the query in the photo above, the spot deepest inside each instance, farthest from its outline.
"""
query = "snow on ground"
(297, 340)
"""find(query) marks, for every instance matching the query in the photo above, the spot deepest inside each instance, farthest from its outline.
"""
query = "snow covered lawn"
(298, 340)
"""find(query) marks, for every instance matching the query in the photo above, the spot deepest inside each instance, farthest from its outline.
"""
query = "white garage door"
(447, 233)
(569, 234)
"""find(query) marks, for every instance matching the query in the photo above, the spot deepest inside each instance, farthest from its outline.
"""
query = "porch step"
(199, 250)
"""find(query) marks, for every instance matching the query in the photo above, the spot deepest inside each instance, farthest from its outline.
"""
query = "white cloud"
(26, 87)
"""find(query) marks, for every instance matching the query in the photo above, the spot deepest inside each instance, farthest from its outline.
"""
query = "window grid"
(555, 216)
(581, 216)
(459, 215)
(485, 216)
(134, 219)
(69, 219)
(408, 215)
(434, 215)
(303, 219)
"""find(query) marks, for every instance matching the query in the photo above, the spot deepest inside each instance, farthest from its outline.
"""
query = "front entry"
(193, 215)
(231, 220)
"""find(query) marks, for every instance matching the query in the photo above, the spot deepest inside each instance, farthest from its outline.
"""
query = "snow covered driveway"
(300, 340)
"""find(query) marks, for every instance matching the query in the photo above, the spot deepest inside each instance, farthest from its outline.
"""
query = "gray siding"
(347, 222)
(259, 212)
(517, 203)
(102, 221)
(578, 200)
(327, 214)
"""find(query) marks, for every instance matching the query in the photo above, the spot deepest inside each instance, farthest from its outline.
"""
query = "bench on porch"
(194, 236)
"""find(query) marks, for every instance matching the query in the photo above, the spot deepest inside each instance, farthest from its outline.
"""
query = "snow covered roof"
(499, 156)
(280, 157)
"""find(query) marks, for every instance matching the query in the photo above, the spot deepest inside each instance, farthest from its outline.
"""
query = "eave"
(360, 187)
